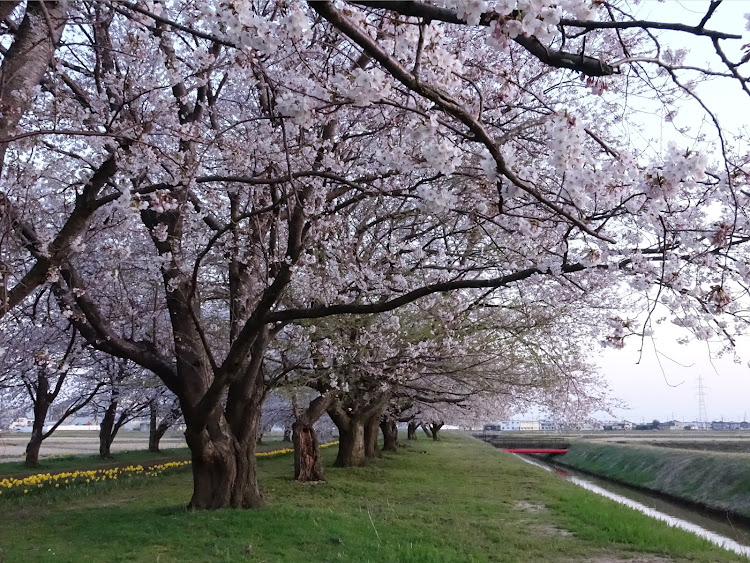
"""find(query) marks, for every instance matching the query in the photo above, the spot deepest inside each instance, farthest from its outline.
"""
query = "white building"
(547, 426)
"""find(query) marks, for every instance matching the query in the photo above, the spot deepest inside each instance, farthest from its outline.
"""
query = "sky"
(664, 383)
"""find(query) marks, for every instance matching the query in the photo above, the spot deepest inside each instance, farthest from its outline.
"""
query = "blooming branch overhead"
(189, 182)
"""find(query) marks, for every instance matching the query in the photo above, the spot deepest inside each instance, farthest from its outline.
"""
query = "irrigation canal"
(718, 529)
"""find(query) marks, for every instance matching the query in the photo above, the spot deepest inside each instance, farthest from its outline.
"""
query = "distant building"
(547, 426)
(725, 425)
(617, 425)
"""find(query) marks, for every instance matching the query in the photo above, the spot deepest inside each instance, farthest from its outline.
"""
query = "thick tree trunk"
(223, 447)
(355, 441)
(390, 435)
(307, 466)
(351, 444)
(427, 431)
(224, 467)
(411, 430)
(372, 428)
(435, 430)
(106, 436)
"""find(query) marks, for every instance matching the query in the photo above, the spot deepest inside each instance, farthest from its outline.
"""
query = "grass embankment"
(455, 500)
(717, 480)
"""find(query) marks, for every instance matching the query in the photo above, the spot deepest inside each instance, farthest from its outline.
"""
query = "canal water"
(720, 530)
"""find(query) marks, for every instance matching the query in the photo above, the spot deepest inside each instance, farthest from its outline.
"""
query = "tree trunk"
(435, 430)
(26, 61)
(223, 447)
(156, 431)
(411, 430)
(106, 436)
(42, 402)
(153, 438)
(287, 434)
(155, 435)
(34, 445)
(427, 431)
(224, 466)
(372, 428)
(307, 466)
(351, 444)
(390, 435)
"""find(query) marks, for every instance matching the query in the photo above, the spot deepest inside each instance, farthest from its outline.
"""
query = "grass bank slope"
(458, 500)
(717, 480)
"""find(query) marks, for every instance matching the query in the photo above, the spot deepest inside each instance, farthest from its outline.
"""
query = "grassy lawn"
(456, 500)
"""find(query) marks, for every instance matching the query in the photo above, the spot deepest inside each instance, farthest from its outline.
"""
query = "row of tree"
(407, 209)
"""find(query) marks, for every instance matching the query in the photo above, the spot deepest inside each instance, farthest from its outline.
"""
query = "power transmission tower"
(702, 413)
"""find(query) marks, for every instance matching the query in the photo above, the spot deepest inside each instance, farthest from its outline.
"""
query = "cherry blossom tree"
(161, 403)
(195, 179)
(43, 365)
(122, 398)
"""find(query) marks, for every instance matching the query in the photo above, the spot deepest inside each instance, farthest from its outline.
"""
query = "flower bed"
(69, 479)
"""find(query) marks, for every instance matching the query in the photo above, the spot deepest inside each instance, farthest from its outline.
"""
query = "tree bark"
(26, 61)
(37, 435)
(411, 430)
(224, 468)
(153, 438)
(372, 428)
(390, 434)
(435, 430)
(42, 403)
(358, 430)
(307, 465)
(287, 434)
(156, 430)
(106, 434)
(351, 444)
(427, 431)
(223, 451)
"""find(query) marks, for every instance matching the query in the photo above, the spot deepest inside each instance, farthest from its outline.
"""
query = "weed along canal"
(729, 529)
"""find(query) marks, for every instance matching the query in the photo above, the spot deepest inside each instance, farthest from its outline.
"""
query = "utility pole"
(702, 414)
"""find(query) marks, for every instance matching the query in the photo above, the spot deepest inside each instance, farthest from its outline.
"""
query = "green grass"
(718, 480)
(458, 500)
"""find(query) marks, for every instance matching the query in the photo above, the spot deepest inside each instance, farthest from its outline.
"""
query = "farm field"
(13, 444)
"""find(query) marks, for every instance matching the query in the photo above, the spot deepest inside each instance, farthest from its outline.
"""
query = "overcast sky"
(660, 387)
